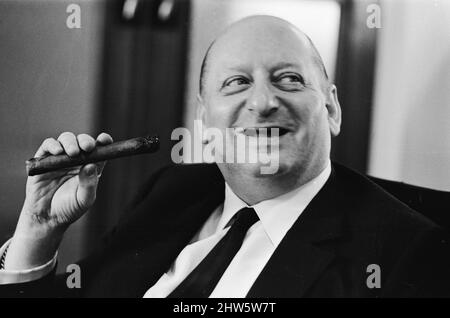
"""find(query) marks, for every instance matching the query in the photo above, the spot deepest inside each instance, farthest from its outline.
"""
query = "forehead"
(246, 47)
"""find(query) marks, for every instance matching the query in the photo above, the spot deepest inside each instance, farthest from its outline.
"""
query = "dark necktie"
(204, 278)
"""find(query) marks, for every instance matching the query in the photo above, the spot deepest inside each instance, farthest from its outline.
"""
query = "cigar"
(125, 148)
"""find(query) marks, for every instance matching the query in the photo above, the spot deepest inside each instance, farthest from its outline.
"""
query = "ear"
(201, 115)
(334, 111)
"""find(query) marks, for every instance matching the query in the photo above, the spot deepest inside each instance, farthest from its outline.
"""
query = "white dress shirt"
(276, 217)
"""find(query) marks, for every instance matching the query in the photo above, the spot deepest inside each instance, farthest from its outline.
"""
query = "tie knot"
(245, 218)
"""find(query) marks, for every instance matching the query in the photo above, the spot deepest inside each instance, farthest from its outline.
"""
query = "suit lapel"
(185, 225)
(299, 260)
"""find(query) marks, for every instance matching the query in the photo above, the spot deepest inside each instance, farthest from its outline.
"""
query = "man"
(312, 229)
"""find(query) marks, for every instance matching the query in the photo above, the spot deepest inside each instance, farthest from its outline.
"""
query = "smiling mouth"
(262, 131)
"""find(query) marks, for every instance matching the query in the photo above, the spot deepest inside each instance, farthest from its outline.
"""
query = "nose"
(262, 100)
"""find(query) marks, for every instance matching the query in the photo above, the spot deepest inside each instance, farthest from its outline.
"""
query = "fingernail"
(90, 170)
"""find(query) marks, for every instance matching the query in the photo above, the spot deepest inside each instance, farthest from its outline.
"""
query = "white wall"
(410, 138)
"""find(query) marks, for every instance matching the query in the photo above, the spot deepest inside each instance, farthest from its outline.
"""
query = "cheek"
(221, 113)
(308, 110)
(311, 119)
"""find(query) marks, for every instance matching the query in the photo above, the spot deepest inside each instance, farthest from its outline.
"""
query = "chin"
(260, 170)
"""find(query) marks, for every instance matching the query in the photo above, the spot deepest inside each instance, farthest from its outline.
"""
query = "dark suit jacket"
(350, 224)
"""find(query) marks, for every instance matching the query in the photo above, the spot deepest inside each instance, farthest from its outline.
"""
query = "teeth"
(252, 132)
(258, 131)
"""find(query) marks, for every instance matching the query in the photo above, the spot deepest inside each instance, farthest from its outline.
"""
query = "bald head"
(263, 23)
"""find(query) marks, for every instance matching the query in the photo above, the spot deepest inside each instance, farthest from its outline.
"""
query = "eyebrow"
(280, 65)
(237, 68)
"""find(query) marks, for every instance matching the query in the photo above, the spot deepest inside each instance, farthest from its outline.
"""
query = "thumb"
(87, 187)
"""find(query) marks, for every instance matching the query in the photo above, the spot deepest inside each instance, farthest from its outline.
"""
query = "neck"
(253, 189)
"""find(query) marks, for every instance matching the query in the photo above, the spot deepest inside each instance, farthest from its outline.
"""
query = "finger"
(49, 146)
(104, 139)
(100, 167)
(86, 142)
(69, 143)
(88, 180)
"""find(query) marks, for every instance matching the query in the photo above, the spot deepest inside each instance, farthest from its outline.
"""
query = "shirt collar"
(277, 215)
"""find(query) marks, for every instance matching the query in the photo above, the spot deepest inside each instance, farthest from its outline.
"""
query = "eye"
(290, 80)
(235, 84)
(286, 79)
(235, 81)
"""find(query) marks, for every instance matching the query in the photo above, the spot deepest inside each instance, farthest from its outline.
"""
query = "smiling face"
(261, 73)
